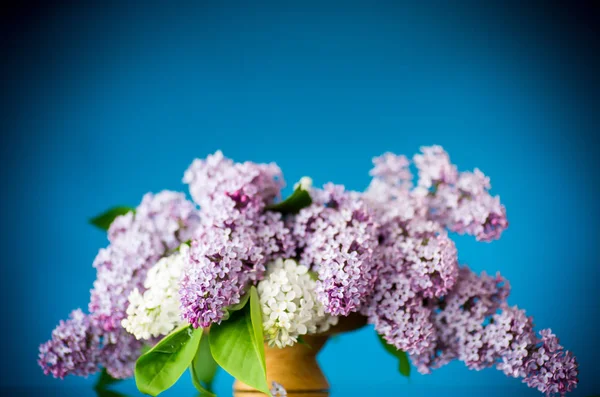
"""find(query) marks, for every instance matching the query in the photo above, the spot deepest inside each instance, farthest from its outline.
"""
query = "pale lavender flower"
(398, 313)
(220, 264)
(541, 362)
(73, 350)
(118, 273)
(459, 201)
(419, 262)
(217, 175)
(459, 320)
(430, 258)
(119, 353)
(468, 208)
(169, 216)
(236, 239)
(337, 237)
(224, 258)
(277, 390)
(434, 167)
(393, 170)
(475, 325)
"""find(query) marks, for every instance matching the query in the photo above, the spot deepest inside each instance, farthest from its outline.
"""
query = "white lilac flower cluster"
(385, 254)
(289, 304)
(156, 312)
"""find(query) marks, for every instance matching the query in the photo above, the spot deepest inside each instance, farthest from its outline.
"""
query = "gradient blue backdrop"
(109, 103)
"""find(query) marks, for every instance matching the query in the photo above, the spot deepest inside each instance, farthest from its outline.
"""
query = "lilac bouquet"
(252, 269)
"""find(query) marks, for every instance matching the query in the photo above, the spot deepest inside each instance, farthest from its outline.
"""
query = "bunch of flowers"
(205, 283)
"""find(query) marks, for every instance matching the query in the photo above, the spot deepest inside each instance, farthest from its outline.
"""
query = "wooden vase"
(296, 367)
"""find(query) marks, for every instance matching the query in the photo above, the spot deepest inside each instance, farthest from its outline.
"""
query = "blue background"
(102, 104)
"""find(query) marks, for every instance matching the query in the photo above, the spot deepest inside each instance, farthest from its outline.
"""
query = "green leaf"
(164, 364)
(104, 220)
(237, 345)
(203, 368)
(104, 380)
(293, 204)
(313, 275)
(404, 364)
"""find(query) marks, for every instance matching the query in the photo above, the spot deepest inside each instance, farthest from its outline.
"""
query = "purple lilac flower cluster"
(336, 237)
(217, 176)
(418, 260)
(73, 349)
(423, 303)
(460, 201)
(474, 324)
(236, 238)
(160, 223)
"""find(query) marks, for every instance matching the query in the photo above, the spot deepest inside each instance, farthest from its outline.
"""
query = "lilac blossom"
(393, 171)
(419, 261)
(217, 175)
(169, 216)
(119, 353)
(337, 237)
(220, 264)
(391, 193)
(459, 319)
(475, 325)
(73, 349)
(398, 314)
(460, 201)
(277, 390)
(434, 167)
(223, 259)
(468, 208)
(236, 239)
(551, 369)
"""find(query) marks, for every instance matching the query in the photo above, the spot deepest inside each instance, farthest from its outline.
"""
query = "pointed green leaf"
(203, 368)
(163, 365)
(293, 204)
(404, 364)
(104, 380)
(234, 346)
(104, 220)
